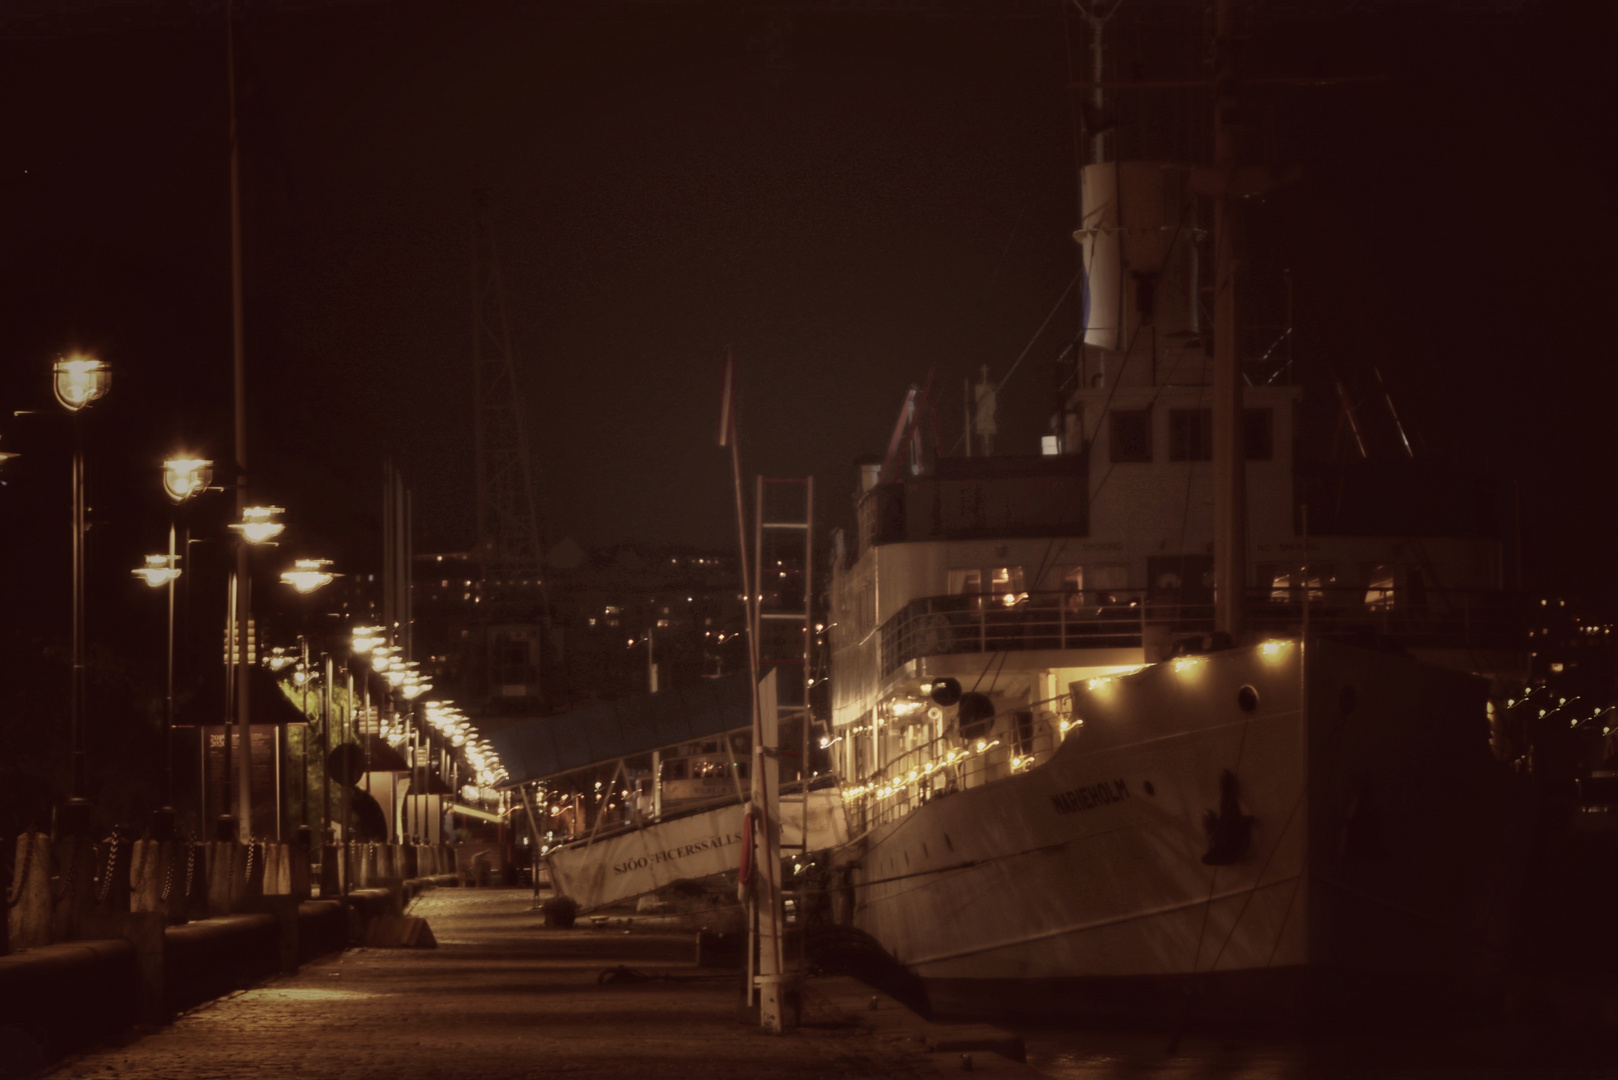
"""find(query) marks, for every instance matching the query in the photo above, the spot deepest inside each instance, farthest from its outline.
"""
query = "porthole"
(1247, 699)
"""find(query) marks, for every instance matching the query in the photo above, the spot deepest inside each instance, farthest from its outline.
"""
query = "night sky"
(846, 195)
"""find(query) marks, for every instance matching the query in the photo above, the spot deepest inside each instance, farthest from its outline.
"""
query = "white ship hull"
(1380, 844)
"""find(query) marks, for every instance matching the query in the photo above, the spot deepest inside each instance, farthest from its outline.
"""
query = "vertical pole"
(348, 686)
(76, 779)
(325, 755)
(226, 826)
(168, 694)
(239, 379)
(1229, 481)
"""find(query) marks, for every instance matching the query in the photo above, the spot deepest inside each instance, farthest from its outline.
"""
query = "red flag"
(727, 403)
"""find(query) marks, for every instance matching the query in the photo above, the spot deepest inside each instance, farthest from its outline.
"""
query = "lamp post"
(78, 382)
(306, 576)
(258, 526)
(183, 477)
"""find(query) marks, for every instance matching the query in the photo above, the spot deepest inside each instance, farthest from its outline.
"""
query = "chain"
(22, 875)
(68, 878)
(107, 870)
(252, 850)
(190, 866)
(168, 872)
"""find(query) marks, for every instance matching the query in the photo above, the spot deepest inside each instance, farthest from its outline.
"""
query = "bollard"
(285, 855)
(74, 894)
(222, 859)
(366, 876)
(146, 876)
(407, 862)
(29, 920)
(298, 863)
(331, 872)
(387, 870)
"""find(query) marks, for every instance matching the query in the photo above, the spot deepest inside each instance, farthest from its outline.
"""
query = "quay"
(503, 996)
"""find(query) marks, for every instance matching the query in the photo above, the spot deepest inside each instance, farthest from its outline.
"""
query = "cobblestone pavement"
(501, 997)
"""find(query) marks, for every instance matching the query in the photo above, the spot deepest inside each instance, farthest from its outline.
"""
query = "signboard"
(265, 797)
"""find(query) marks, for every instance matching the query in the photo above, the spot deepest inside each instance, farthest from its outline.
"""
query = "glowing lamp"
(367, 638)
(157, 571)
(307, 575)
(185, 477)
(258, 524)
(80, 380)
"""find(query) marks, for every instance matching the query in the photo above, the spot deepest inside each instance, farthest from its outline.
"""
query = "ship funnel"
(1138, 249)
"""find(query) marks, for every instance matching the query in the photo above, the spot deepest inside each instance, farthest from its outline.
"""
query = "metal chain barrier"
(107, 870)
(168, 873)
(190, 866)
(22, 876)
(252, 850)
(68, 880)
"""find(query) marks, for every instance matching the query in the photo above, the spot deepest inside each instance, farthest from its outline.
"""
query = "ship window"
(1190, 434)
(1379, 588)
(1131, 435)
(965, 582)
(1073, 587)
(1106, 582)
(1006, 585)
(1258, 442)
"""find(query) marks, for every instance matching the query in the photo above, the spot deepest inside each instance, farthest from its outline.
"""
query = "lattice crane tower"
(508, 542)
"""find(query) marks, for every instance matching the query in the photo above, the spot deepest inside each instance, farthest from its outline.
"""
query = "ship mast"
(1230, 547)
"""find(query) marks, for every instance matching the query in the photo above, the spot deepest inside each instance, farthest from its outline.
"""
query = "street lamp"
(258, 526)
(158, 572)
(183, 477)
(307, 575)
(78, 381)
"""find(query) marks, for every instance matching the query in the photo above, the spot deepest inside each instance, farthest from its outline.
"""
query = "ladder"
(783, 587)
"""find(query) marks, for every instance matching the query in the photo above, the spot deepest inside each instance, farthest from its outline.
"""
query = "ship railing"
(1417, 619)
(1074, 619)
(949, 764)
(1124, 618)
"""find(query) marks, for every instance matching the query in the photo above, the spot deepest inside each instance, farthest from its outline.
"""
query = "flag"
(727, 403)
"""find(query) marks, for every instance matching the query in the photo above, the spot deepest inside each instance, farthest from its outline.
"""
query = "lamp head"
(80, 380)
(184, 477)
(258, 524)
(307, 575)
(157, 571)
